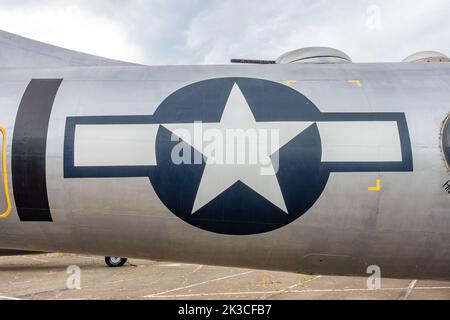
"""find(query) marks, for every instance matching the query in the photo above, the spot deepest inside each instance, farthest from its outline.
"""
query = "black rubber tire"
(112, 263)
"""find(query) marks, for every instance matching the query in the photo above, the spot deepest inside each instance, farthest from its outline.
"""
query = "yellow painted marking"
(377, 187)
(357, 83)
(5, 177)
(290, 82)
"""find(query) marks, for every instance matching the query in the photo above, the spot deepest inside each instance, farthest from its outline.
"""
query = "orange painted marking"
(6, 213)
(290, 82)
(377, 187)
(357, 83)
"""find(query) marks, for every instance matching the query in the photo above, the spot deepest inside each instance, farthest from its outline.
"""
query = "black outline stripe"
(29, 150)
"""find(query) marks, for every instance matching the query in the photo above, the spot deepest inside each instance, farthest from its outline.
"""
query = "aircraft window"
(446, 140)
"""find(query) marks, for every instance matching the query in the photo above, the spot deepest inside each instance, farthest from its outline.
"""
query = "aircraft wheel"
(115, 262)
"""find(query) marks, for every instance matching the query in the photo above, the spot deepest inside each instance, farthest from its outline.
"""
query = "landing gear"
(115, 262)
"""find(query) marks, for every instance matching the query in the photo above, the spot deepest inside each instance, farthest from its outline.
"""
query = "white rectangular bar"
(115, 145)
(360, 141)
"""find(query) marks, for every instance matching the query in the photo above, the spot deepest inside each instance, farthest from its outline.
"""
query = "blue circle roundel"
(238, 198)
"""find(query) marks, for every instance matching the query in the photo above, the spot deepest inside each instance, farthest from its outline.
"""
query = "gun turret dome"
(427, 56)
(314, 55)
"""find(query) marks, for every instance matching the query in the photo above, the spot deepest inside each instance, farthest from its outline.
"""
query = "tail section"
(20, 52)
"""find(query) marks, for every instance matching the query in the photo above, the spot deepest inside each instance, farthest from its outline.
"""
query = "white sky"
(213, 31)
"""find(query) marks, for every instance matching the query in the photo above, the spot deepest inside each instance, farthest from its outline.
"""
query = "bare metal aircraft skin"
(109, 160)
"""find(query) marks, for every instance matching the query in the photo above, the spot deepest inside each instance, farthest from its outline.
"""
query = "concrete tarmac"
(46, 276)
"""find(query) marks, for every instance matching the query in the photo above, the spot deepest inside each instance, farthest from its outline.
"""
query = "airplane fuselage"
(359, 178)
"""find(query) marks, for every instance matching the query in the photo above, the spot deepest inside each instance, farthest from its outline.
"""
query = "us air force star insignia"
(217, 178)
(282, 173)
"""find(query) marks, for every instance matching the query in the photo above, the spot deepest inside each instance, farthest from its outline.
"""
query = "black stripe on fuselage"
(29, 150)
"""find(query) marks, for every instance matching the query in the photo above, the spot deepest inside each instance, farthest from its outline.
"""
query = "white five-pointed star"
(217, 178)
